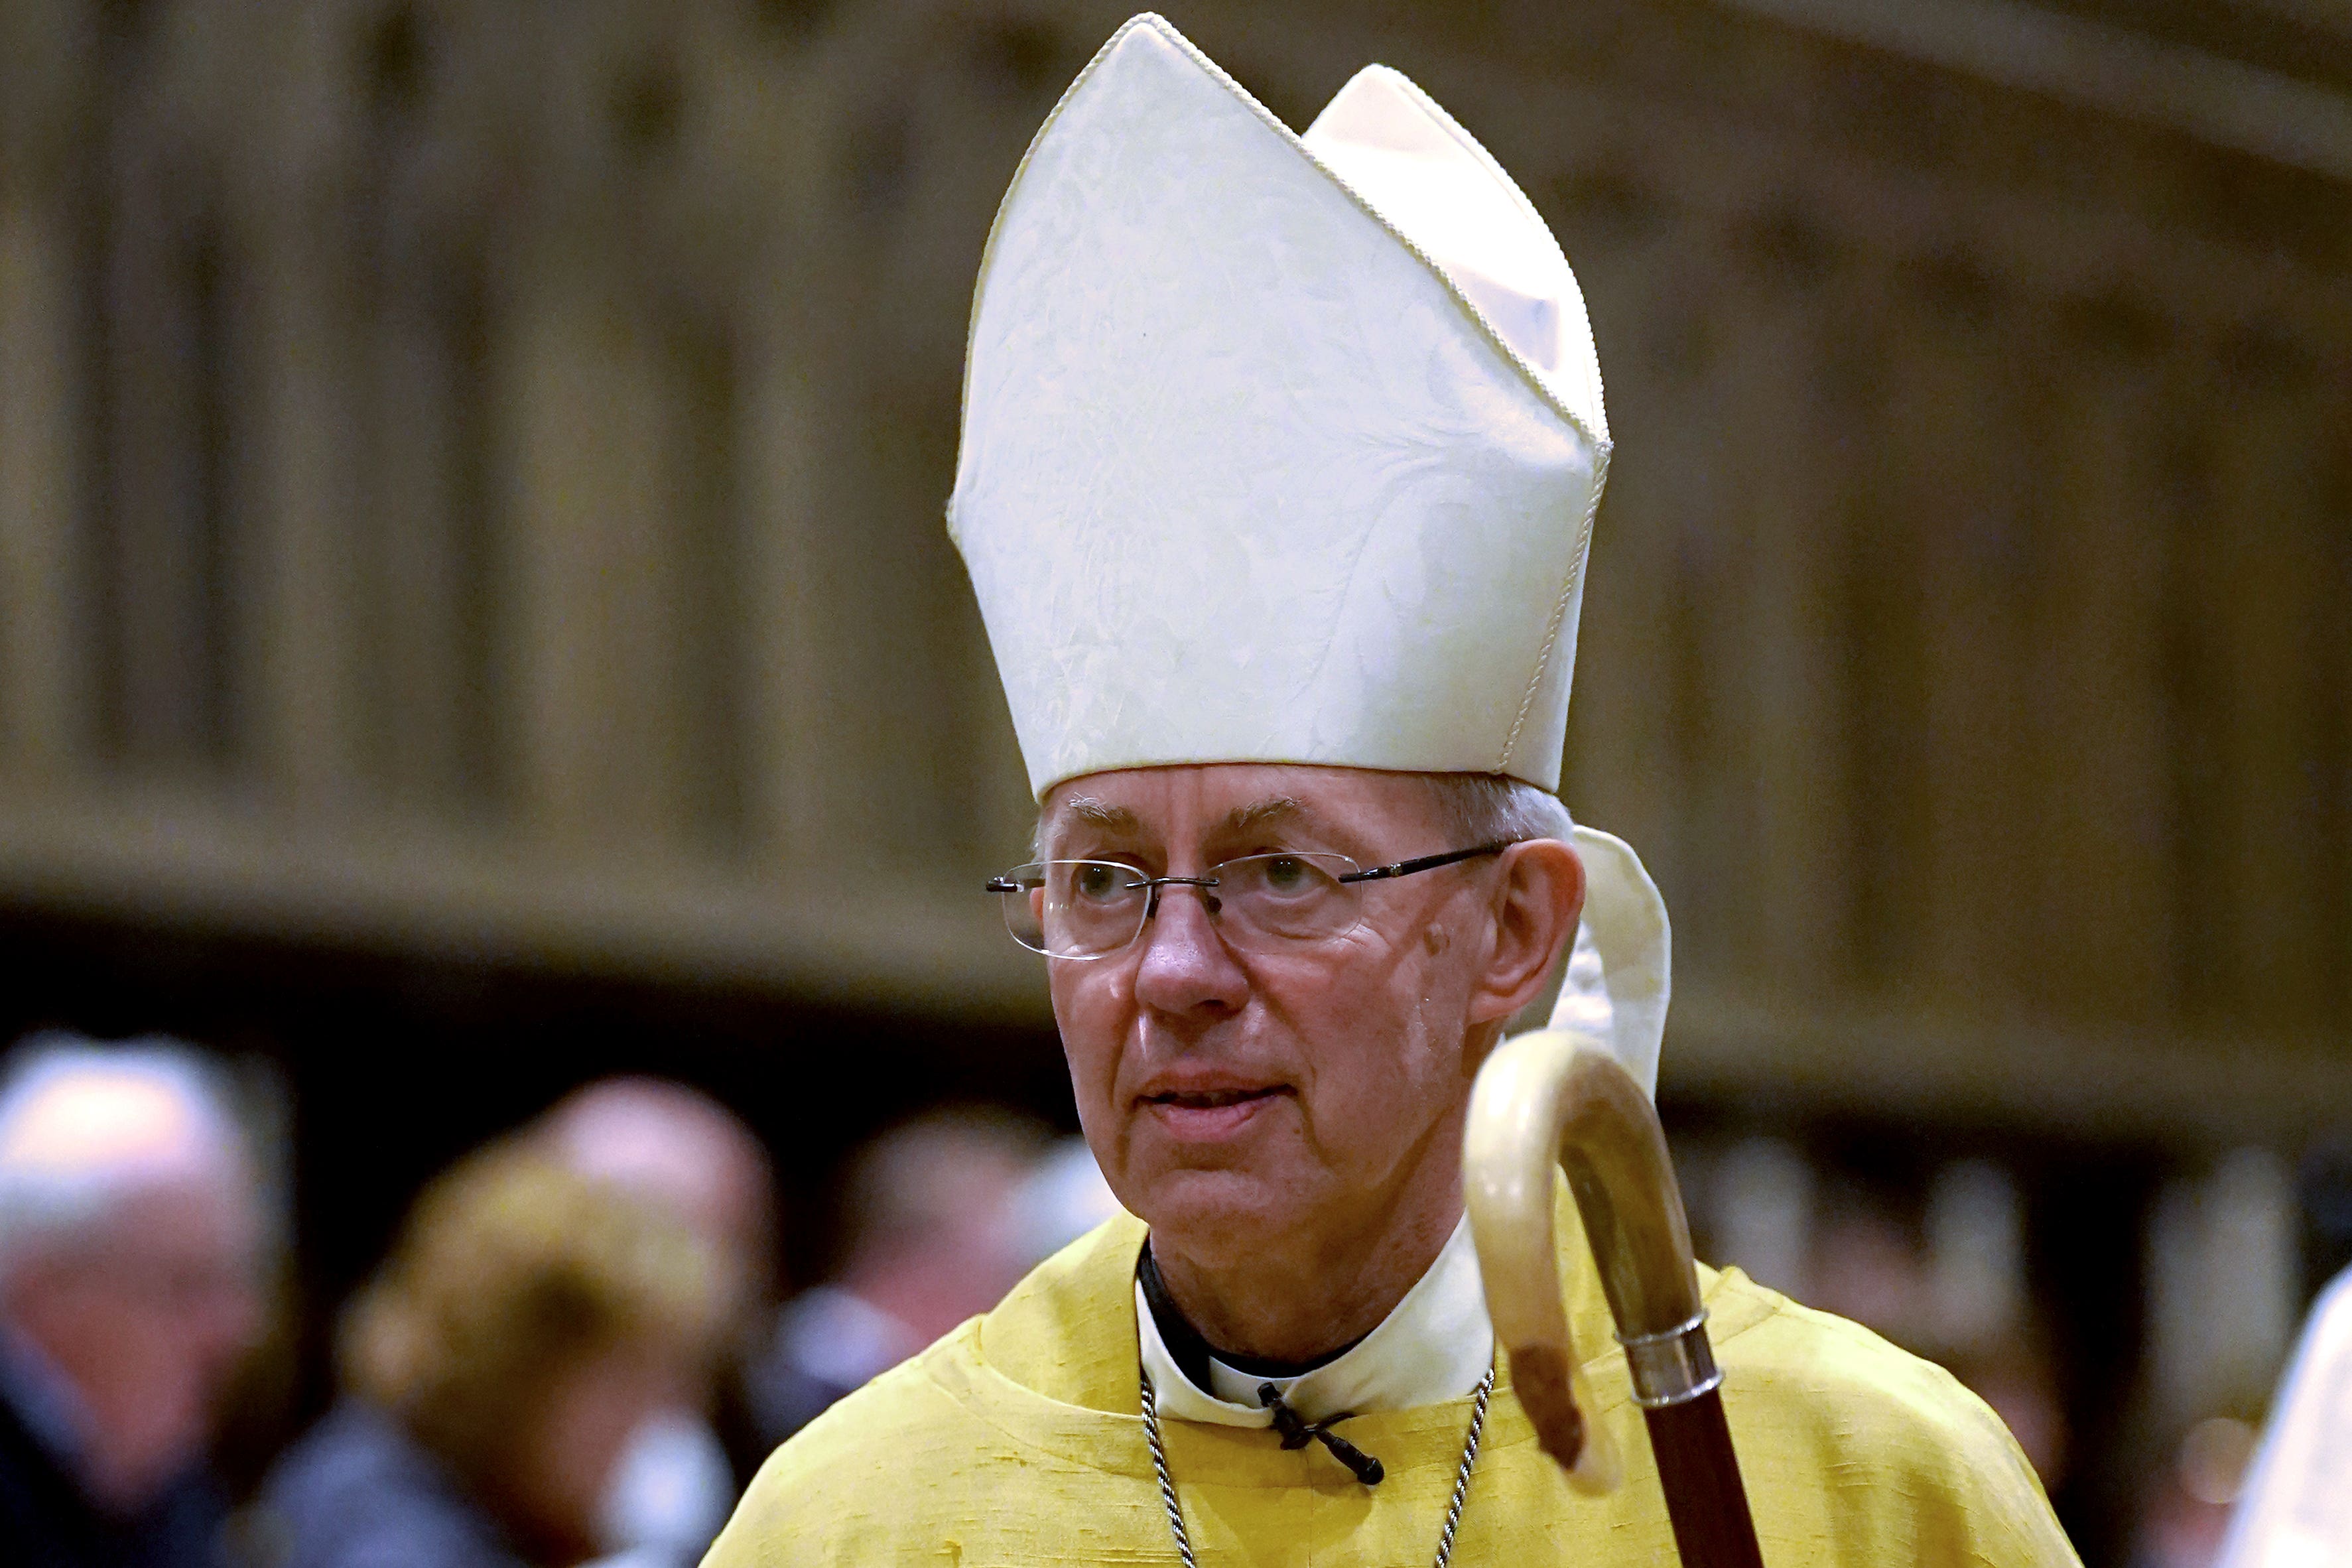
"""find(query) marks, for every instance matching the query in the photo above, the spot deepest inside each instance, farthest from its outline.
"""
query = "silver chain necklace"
(1453, 1509)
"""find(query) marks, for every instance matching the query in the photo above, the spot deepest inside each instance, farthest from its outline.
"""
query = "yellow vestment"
(1016, 1441)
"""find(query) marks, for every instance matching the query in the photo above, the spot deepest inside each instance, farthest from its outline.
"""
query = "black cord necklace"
(1192, 1355)
(1454, 1506)
(1298, 1432)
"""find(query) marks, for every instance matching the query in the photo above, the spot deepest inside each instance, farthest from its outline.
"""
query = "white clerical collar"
(1435, 1346)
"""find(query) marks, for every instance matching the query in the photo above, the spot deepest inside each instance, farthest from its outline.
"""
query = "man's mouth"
(1211, 1099)
(1209, 1115)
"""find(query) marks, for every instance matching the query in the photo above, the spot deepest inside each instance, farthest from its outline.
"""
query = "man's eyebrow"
(1100, 814)
(1281, 810)
(1277, 811)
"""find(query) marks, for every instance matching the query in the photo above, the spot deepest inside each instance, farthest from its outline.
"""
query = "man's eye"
(1097, 881)
(1292, 877)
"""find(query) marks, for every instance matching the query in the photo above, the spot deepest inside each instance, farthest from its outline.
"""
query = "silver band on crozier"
(1673, 1366)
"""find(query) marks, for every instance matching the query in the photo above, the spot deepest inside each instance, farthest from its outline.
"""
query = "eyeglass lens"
(1087, 909)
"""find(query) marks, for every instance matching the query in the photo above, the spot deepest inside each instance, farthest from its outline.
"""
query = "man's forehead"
(1271, 811)
(1235, 798)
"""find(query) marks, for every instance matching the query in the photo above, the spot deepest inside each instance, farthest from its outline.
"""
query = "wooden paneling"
(2099, 908)
(500, 490)
(44, 707)
(299, 658)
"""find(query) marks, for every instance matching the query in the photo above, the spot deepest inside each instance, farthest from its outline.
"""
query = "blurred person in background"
(129, 1236)
(677, 1147)
(932, 1232)
(529, 1321)
(1062, 1198)
(2187, 1505)
(1929, 1296)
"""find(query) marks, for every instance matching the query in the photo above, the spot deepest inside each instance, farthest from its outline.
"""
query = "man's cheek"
(1080, 1017)
(1090, 1076)
(1094, 1057)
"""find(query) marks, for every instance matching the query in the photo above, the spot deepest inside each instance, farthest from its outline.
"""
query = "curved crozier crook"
(1554, 1099)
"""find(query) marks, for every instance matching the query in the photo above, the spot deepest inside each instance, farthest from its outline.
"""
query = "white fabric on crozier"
(1621, 969)
(1286, 449)
(1434, 1346)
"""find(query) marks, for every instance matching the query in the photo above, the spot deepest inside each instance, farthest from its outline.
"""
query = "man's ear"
(1538, 898)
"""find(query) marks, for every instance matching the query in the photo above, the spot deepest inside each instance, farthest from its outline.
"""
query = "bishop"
(1280, 460)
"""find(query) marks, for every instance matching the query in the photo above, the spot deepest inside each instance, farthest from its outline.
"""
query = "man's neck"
(1302, 1303)
(1191, 1349)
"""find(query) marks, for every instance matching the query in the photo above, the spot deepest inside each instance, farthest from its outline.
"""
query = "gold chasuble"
(1017, 1440)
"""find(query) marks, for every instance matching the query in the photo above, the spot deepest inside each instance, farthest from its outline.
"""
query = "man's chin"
(1210, 1213)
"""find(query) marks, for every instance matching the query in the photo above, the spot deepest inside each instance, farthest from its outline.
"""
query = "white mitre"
(1287, 450)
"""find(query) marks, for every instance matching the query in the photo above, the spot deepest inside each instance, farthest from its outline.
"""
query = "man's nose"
(1186, 964)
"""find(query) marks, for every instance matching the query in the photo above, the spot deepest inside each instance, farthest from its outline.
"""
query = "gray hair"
(1473, 809)
(1491, 809)
(69, 1158)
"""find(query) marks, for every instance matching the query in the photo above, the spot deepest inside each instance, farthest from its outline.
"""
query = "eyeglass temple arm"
(1425, 863)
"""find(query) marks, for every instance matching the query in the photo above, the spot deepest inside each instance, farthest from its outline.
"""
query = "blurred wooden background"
(471, 475)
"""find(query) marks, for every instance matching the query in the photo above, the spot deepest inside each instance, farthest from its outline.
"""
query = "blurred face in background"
(529, 1322)
(932, 1219)
(567, 1441)
(677, 1146)
(147, 1315)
